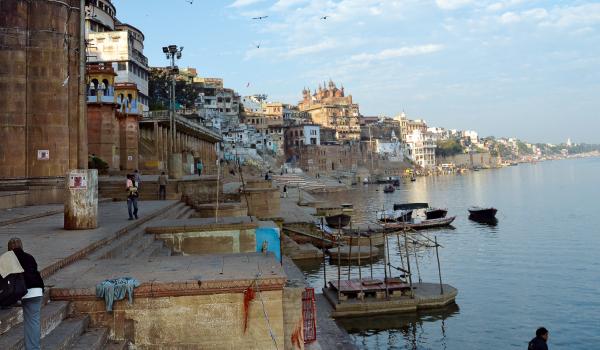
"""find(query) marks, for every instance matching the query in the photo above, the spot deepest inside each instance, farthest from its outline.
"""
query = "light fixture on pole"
(172, 53)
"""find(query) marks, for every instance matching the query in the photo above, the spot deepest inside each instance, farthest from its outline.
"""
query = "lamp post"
(173, 52)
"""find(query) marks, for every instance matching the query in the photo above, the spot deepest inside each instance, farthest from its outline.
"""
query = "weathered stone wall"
(39, 84)
(191, 322)
(470, 160)
(263, 203)
(129, 139)
(211, 242)
(208, 210)
(293, 324)
(103, 133)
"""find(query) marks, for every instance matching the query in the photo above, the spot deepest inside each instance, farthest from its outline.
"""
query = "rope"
(265, 312)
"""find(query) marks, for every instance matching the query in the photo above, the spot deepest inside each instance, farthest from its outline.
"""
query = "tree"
(159, 86)
(448, 148)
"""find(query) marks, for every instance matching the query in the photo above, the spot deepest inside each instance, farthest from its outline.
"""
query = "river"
(538, 267)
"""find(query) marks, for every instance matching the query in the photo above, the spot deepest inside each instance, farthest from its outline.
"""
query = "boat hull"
(338, 221)
(435, 214)
(483, 214)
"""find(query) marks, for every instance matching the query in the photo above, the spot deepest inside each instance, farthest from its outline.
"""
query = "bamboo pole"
(359, 252)
(387, 250)
(371, 255)
(339, 258)
(323, 251)
(408, 265)
(416, 260)
(400, 249)
(439, 268)
(349, 257)
(385, 266)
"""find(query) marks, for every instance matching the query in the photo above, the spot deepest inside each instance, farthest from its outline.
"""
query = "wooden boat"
(482, 214)
(389, 189)
(347, 208)
(396, 183)
(338, 221)
(435, 213)
(409, 206)
(396, 215)
(357, 237)
(422, 225)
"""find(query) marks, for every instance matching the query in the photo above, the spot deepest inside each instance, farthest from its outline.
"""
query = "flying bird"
(248, 85)
(190, 1)
(324, 17)
(260, 17)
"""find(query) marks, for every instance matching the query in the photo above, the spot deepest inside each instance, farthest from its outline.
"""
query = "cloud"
(242, 3)
(311, 49)
(282, 5)
(397, 53)
(452, 4)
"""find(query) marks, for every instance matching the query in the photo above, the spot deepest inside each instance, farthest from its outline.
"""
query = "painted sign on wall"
(43, 154)
(78, 181)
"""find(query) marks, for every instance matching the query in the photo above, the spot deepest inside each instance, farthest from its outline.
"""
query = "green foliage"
(159, 86)
(448, 148)
(97, 163)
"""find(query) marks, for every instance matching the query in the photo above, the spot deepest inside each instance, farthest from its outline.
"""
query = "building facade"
(118, 44)
(331, 108)
(420, 148)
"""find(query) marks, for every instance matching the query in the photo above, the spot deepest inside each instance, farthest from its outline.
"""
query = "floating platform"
(347, 253)
(368, 297)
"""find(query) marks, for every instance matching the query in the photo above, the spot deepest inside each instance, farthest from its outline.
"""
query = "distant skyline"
(514, 68)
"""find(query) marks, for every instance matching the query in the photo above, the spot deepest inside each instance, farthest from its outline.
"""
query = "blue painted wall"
(271, 235)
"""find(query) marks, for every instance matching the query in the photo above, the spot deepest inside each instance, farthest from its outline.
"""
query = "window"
(121, 66)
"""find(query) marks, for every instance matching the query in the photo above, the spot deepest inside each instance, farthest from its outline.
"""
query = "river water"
(540, 265)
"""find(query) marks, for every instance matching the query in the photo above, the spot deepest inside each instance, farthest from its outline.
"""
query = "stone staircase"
(59, 330)
(306, 183)
(148, 190)
(63, 330)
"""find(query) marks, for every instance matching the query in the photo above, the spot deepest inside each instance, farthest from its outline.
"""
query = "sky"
(515, 68)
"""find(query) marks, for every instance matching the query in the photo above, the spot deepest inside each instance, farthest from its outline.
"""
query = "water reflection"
(383, 332)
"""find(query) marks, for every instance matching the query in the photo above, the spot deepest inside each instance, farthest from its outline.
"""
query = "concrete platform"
(54, 247)
(426, 296)
(171, 276)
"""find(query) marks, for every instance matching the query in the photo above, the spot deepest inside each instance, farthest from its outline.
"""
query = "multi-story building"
(407, 126)
(421, 148)
(331, 108)
(118, 44)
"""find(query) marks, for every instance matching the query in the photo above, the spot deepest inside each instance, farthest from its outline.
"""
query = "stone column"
(81, 199)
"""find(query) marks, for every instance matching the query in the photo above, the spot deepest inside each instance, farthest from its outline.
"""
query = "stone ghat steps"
(148, 190)
(136, 241)
(59, 331)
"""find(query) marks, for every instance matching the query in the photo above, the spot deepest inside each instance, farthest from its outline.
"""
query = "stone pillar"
(81, 199)
(189, 163)
(175, 166)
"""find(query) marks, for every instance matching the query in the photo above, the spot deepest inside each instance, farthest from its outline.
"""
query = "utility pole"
(172, 52)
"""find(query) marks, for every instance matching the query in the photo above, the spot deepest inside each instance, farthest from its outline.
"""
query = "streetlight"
(172, 53)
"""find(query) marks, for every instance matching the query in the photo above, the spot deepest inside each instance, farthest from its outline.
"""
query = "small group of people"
(33, 298)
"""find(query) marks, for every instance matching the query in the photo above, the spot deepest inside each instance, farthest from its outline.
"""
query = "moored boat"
(396, 215)
(435, 213)
(422, 225)
(338, 221)
(408, 206)
(482, 214)
(389, 189)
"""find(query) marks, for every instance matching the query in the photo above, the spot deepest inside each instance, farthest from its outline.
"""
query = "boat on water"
(421, 225)
(482, 214)
(396, 216)
(389, 189)
(396, 183)
(338, 221)
(410, 206)
(435, 213)
(413, 178)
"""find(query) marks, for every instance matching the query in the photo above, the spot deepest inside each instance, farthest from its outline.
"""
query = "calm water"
(539, 266)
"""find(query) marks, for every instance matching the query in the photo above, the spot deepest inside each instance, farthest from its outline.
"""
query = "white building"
(119, 44)
(421, 148)
(471, 135)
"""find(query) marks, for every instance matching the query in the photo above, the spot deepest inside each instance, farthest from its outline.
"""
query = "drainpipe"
(82, 149)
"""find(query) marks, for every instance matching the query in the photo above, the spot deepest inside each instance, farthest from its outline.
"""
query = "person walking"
(137, 179)
(132, 197)
(199, 166)
(284, 191)
(540, 341)
(162, 186)
(32, 301)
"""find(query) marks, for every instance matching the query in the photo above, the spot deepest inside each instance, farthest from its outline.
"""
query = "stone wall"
(293, 324)
(262, 201)
(211, 242)
(470, 160)
(213, 321)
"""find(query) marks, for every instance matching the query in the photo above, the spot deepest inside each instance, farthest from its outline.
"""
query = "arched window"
(94, 87)
(106, 87)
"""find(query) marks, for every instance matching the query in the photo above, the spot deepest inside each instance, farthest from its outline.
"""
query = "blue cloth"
(31, 322)
(116, 289)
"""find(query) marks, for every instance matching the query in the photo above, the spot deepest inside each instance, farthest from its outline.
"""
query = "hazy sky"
(523, 68)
